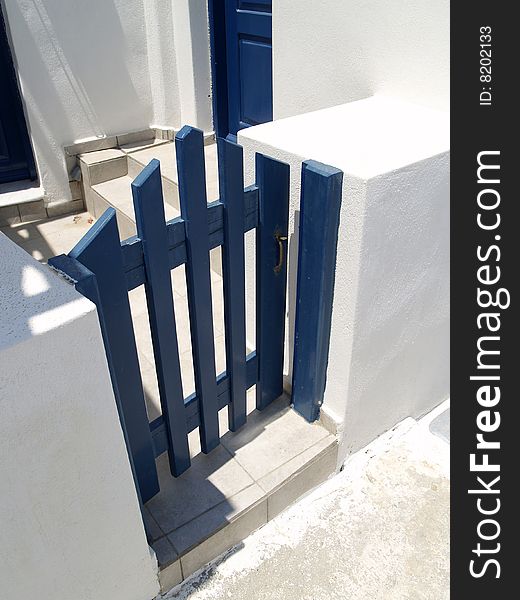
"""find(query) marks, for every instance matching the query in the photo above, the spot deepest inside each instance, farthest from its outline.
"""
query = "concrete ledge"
(24, 201)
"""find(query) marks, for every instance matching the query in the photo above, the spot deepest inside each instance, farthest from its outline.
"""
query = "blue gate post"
(272, 178)
(151, 228)
(189, 147)
(319, 221)
(231, 186)
(100, 252)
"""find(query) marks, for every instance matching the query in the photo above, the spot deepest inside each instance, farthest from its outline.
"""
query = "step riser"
(104, 171)
(98, 205)
(170, 189)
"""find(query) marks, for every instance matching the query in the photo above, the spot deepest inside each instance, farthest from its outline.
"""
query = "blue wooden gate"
(105, 270)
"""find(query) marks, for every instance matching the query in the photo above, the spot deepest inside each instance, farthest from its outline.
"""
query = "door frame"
(12, 87)
(218, 61)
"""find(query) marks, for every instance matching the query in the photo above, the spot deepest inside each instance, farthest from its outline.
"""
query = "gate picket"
(231, 186)
(189, 146)
(100, 252)
(319, 221)
(272, 178)
(151, 228)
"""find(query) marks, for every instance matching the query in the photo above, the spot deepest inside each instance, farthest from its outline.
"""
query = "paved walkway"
(377, 531)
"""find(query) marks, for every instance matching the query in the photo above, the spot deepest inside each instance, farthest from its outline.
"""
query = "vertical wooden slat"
(151, 228)
(231, 186)
(100, 252)
(272, 178)
(319, 221)
(189, 146)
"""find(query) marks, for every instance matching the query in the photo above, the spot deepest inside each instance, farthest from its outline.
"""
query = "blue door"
(249, 63)
(16, 159)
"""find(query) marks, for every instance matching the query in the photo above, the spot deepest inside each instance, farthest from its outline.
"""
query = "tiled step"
(165, 153)
(118, 194)
(253, 475)
(107, 176)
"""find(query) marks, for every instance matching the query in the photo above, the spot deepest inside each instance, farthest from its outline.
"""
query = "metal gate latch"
(280, 239)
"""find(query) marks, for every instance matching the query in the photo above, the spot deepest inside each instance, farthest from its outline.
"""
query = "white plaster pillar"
(389, 345)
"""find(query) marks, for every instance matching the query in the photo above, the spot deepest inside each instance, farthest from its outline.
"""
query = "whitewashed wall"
(69, 516)
(330, 52)
(389, 345)
(98, 68)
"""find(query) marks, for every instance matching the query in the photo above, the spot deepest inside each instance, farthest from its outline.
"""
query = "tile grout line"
(287, 461)
(165, 535)
(239, 515)
(301, 469)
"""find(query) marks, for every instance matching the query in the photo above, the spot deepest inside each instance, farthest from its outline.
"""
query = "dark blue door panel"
(249, 63)
(16, 160)
(256, 89)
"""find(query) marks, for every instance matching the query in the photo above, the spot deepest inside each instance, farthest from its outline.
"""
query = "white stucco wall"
(103, 67)
(389, 346)
(327, 53)
(193, 62)
(69, 515)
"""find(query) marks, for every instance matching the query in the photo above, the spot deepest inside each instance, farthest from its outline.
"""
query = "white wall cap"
(33, 299)
(365, 138)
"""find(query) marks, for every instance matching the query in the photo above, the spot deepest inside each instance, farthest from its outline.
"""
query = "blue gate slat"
(231, 185)
(100, 252)
(319, 221)
(189, 146)
(272, 178)
(158, 428)
(133, 253)
(151, 228)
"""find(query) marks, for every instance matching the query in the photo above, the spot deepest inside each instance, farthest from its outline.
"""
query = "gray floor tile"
(226, 538)
(305, 480)
(143, 337)
(188, 377)
(66, 223)
(153, 531)
(209, 481)
(170, 576)
(137, 299)
(179, 280)
(164, 551)
(199, 529)
(182, 323)
(271, 438)
(9, 215)
(150, 387)
(38, 249)
(21, 233)
(277, 477)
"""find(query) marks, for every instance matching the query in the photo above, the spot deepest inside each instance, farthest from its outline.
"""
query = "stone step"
(117, 193)
(98, 167)
(165, 153)
(253, 475)
(107, 176)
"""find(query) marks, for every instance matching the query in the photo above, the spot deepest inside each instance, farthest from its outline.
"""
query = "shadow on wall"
(80, 66)
(201, 66)
(292, 273)
(87, 60)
